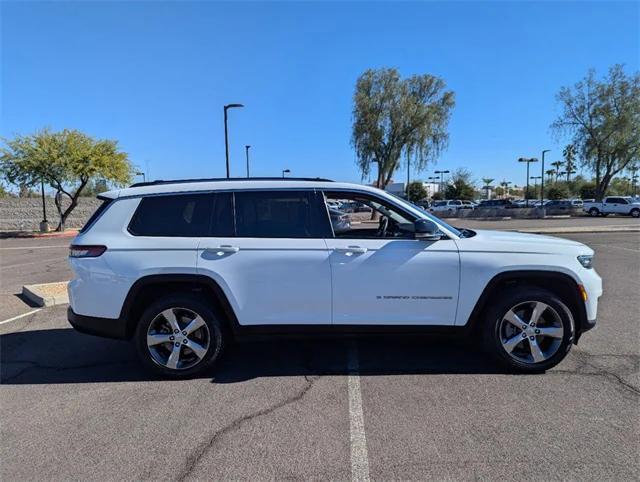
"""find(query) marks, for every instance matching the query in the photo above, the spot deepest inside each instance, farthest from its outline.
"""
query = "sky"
(155, 76)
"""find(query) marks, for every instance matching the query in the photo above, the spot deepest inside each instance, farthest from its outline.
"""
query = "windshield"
(424, 214)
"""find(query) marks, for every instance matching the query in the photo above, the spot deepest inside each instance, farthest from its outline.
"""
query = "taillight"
(77, 251)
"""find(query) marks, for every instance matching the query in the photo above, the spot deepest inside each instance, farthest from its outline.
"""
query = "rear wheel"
(530, 330)
(179, 337)
(594, 212)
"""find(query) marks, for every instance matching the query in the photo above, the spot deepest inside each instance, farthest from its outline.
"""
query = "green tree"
(557, 191)
(396, 118)
(603, 118)
(588, 190)
(569, 153)
(93, 188)
(417, 192)
(550, 173)
(67, 161)
(530, 193)
(460, 186)
(557, 165)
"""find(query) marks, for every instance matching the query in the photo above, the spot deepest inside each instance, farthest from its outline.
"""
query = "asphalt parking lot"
(80, 407)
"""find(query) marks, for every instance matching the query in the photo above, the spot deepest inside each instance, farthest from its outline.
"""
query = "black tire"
(183, 303)
(493, 324)
(594, 212)
(635, 213)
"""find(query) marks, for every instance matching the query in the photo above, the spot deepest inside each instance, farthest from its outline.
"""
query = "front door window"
(361, 217)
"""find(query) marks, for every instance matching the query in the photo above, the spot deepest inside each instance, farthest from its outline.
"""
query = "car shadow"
(66, 356)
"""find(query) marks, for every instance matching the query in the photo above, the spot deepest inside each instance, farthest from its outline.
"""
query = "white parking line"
(359, 458)
(616, 247)
(34, 247)
(19, 316)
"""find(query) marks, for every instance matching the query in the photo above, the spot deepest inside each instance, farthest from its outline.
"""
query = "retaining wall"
(25, 214)
(518, 213)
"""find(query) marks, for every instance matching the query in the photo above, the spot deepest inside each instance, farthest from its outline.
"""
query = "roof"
(195, 185)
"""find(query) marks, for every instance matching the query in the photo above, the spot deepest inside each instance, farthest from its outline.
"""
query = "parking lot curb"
(47, 294)
(579, 229)
(35, 234)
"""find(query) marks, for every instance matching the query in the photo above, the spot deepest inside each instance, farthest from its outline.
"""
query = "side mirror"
(426, 230)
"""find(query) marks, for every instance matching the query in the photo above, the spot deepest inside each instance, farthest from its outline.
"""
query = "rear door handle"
(352, 250)
(225, 248)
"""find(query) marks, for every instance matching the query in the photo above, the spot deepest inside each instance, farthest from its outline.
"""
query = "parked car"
(354, 207)
(559, 204)
(625, 205)
(339, 221)
(564, 204)
(498, 203)
(450, 206)
(183, 268)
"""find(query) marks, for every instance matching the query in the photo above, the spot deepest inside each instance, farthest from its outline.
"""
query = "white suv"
(182, 267)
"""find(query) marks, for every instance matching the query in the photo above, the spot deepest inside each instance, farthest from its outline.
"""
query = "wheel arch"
(149, 288)
(561, 284)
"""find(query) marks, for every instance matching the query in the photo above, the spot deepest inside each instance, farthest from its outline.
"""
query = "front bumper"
(91, 325)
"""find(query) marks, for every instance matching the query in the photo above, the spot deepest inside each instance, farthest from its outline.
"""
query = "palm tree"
(557, 165)
(569, 154)
(550, 173)
(487, 185)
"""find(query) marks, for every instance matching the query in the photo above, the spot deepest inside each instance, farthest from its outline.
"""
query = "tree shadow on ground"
(66, 356)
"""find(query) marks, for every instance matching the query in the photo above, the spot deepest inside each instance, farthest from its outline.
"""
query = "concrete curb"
(35, 234)
(47, 294)
(578, 229)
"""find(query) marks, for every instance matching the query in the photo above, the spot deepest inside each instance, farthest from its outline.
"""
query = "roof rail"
(221, 179)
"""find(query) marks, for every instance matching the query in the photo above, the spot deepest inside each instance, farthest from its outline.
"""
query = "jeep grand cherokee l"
(182, 267)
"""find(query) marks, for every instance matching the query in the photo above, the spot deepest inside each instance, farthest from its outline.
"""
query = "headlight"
(586, 260)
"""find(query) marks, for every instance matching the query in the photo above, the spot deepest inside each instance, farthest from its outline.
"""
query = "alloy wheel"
(531, 332)
(178, 338)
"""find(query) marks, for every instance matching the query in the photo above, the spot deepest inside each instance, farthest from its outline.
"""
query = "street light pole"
(226, 133)
(144, 178)
(44, 225)
(246, 149)
(285, 171)
(535, 185)
(542, 182)
(526, 192)
(442, 173)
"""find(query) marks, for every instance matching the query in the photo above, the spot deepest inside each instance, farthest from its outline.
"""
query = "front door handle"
(349, 250)
(225, 248)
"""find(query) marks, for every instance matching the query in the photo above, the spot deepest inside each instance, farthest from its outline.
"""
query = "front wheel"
(635, 213)
(179, 336)
(529, 330)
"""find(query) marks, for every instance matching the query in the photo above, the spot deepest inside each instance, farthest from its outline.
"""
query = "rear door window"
(280, 214)
(177, 215)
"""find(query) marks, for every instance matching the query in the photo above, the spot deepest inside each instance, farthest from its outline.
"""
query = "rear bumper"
(91, 325)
